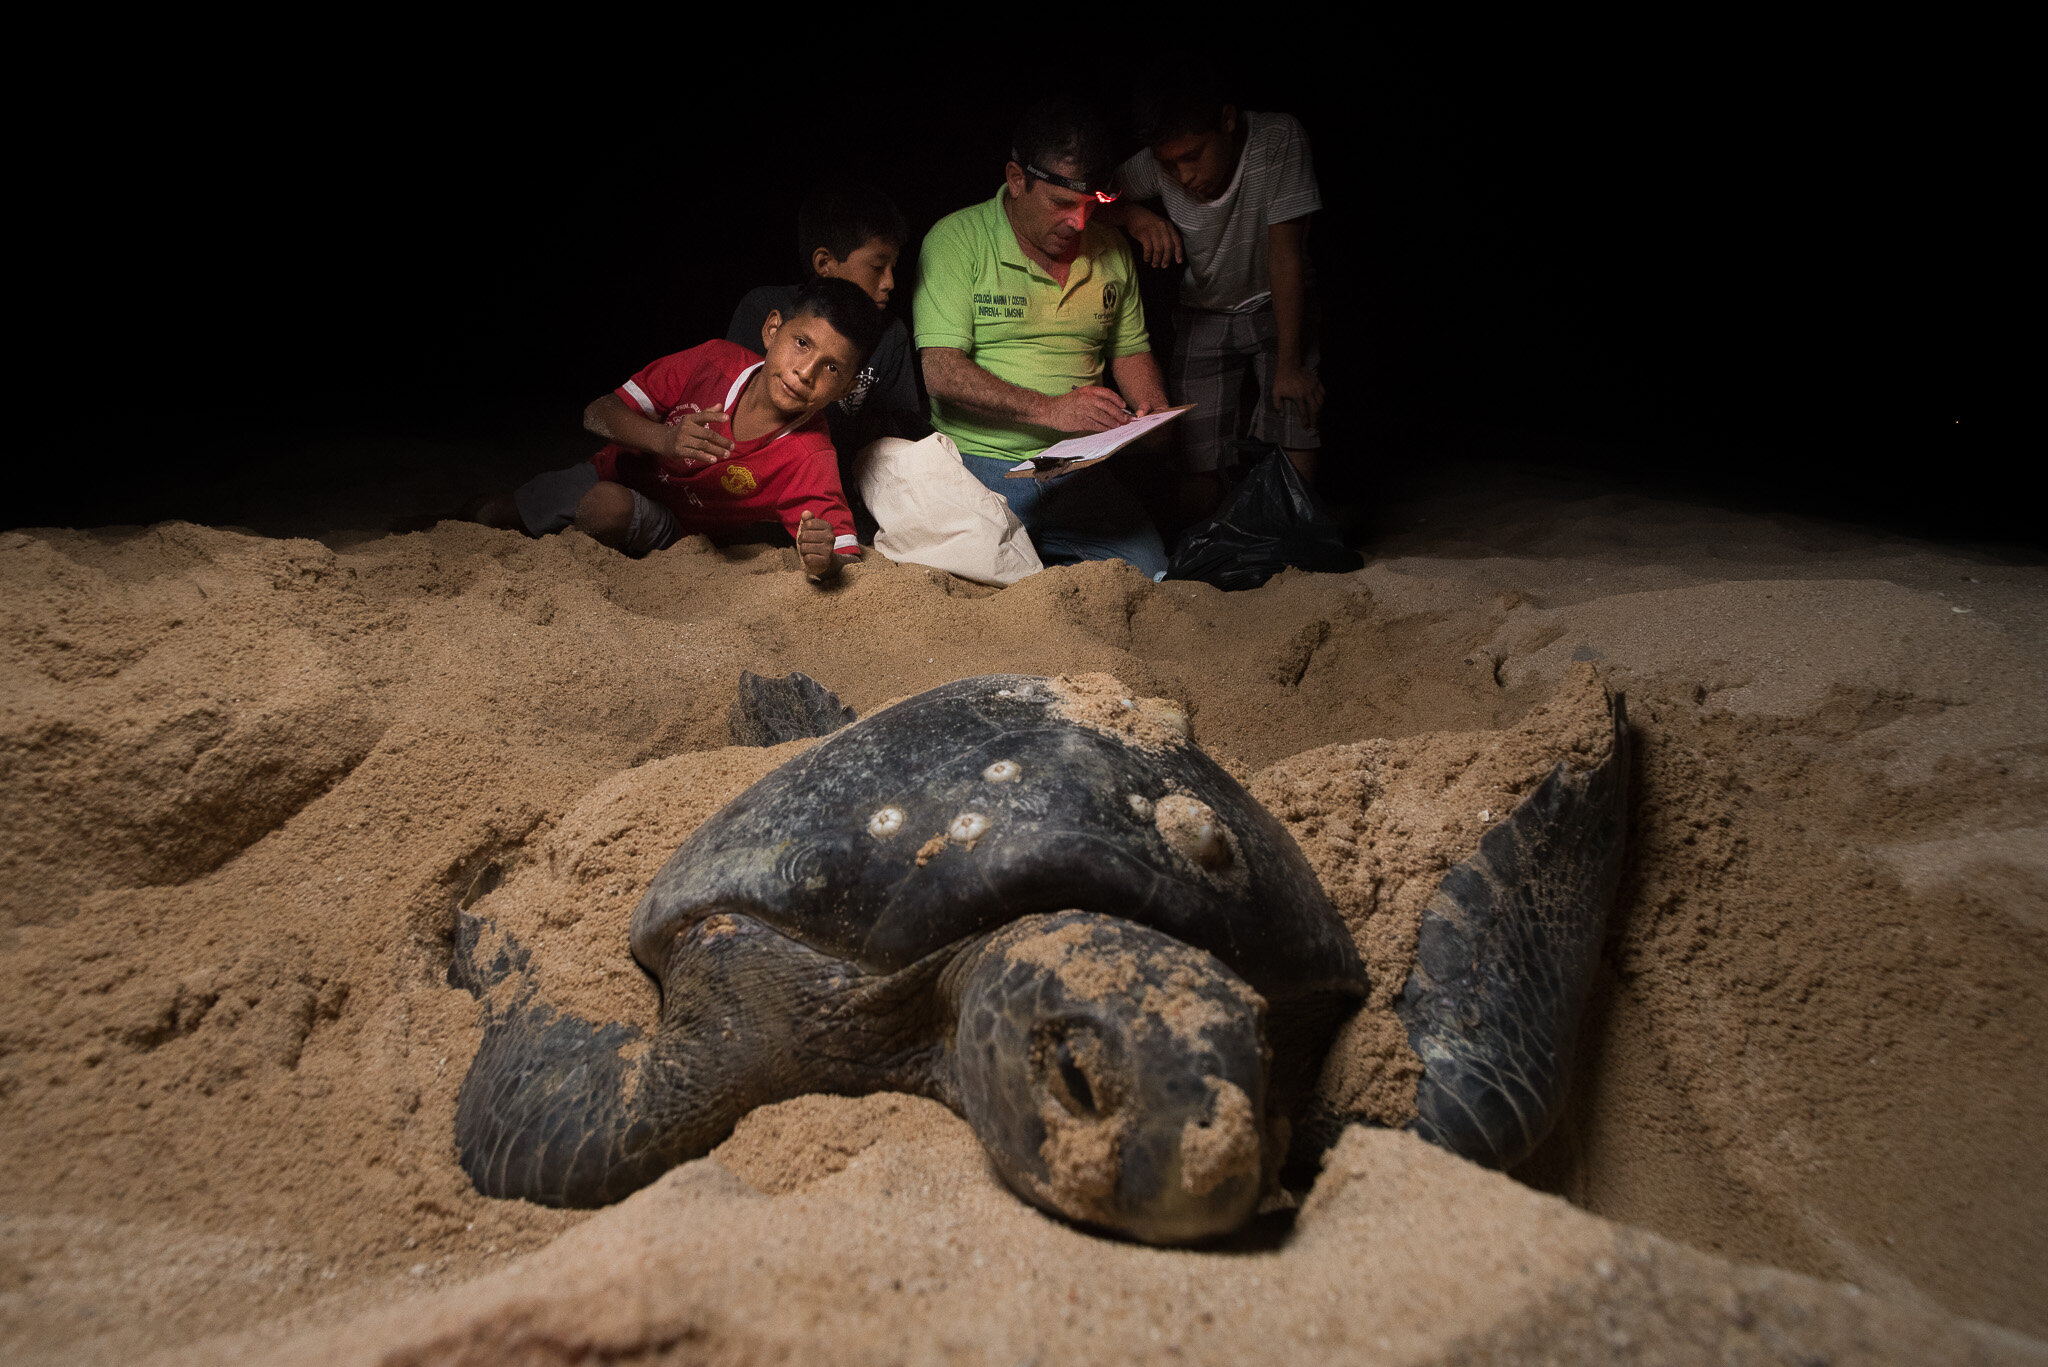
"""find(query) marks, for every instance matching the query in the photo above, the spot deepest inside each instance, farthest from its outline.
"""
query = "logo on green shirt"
(998, 305)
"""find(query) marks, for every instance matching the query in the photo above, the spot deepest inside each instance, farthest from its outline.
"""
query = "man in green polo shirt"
(1023, 302)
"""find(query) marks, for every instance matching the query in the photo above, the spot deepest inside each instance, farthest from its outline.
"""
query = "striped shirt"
(1225, 238)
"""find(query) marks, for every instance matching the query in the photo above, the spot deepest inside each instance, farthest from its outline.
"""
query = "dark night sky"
(1720, 264)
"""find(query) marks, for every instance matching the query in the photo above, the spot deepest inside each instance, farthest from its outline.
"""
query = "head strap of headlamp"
(1103, 194)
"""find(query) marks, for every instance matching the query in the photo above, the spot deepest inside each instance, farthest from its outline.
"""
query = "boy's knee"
(499, 510)
(605, 513)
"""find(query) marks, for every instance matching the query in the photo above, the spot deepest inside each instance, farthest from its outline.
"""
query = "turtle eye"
(1073, 1064)
(1079, 1097)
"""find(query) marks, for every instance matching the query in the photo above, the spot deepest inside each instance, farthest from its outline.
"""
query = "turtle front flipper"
(1505, 958)
(543, 1112)
(563, 1112)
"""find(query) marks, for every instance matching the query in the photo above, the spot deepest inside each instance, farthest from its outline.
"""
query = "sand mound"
(247, 783)
(907, 1250)
(1382, 821)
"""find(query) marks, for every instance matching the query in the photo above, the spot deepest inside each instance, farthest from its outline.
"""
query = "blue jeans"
(1088, 515)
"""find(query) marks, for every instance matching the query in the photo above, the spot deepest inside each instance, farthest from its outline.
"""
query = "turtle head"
(1116, 1076)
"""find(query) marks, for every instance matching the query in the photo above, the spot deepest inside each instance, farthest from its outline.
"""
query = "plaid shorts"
(1210, 353)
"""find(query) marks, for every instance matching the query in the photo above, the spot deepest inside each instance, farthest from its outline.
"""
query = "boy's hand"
(1300, 384)
(814, 547)
(693, 440)
(1157, 241)
(1089, 408)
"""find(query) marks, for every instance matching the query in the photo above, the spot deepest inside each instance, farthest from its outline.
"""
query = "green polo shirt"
(977, 292)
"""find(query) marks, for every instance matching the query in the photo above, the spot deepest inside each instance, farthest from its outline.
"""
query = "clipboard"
(1078, 453)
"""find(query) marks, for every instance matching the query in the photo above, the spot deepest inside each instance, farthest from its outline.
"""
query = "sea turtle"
(1050, 911)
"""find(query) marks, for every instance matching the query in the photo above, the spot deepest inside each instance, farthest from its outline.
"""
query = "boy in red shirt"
(716, 440)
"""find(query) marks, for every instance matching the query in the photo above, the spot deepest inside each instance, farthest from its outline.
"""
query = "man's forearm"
(950, 374)
(1139, 381)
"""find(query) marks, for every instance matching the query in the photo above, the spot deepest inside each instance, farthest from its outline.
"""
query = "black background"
(1723, 262)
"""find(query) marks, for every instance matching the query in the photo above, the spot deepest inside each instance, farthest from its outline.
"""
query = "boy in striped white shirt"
(1238, 188)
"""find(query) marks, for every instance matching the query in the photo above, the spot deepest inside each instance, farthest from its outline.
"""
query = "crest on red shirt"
(738, 480)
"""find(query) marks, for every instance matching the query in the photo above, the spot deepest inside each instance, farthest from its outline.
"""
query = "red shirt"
(772, 478)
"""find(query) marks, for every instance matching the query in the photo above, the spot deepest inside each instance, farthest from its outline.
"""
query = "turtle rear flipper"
(1505, 959)
(771, 711)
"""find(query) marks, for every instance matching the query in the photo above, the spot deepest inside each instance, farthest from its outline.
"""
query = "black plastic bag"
(1270, 521)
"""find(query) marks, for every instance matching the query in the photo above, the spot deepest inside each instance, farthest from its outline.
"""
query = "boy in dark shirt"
(856, 233)
(716, 439)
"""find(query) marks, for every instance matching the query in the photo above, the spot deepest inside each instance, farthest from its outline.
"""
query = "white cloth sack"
(932, 512)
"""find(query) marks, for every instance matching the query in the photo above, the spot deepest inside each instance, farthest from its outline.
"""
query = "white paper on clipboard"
(1077, 453)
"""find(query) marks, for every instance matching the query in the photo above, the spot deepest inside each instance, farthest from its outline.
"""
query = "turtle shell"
(966, 807)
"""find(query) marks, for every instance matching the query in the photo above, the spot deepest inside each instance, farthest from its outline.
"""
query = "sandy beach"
(248, 779)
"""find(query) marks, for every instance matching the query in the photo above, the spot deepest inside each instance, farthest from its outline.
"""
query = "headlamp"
(1079, 187)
